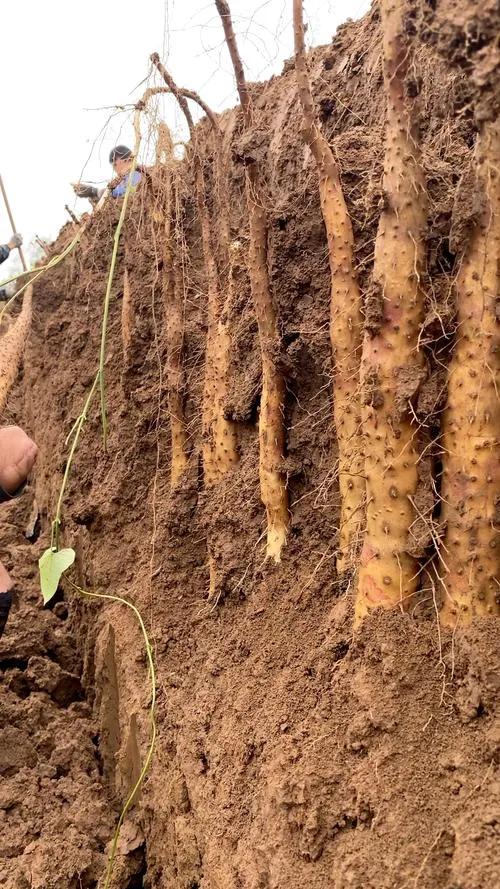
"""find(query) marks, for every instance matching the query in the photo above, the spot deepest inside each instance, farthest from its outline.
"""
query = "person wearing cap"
(122, 160)
(17, 457)
(15, 241)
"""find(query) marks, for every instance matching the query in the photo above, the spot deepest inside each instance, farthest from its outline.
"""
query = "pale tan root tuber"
(164, 145)
(392, 365)
(222, 431)
(219, 447)
(345, 315)
(127, 314)
(225, 439)
(211, 380)
(471, 423)
(12, 344)
(173, 297)
(271, 420)
(273, 487)
(225, 432)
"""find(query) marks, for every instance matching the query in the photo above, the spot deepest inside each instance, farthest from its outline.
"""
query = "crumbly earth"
(290, 752)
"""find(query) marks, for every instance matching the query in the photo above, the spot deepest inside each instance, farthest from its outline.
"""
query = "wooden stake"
(11, 218)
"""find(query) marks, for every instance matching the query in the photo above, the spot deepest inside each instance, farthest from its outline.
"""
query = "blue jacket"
(120, 189)
(4, 252)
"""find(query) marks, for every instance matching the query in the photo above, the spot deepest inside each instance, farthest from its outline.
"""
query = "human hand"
(15, 241)
(17, 457)
(6, 582)
(84, 191)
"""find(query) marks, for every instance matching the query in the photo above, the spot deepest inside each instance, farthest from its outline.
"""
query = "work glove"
(8, 291)
(85, 191)
(15, 241)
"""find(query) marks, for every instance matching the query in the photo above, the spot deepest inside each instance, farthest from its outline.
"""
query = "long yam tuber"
(273, 488)
(392, 364)
(345, 314)
(471, 424)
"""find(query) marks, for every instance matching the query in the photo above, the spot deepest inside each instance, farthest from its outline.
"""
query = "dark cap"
(121, 152)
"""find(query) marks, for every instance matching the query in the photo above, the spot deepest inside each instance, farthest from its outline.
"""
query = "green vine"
(75, 434)
(107, 296)
(54, 562)
(152, 720)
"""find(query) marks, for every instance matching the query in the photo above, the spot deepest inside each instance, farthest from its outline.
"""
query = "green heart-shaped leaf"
(52, 566)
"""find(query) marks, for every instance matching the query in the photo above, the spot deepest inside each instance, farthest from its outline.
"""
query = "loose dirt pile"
(290, 752)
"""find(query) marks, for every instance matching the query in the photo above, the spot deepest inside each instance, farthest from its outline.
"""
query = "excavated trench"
(291, 752)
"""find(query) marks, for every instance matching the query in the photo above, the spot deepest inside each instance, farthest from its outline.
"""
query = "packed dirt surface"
(292, 752)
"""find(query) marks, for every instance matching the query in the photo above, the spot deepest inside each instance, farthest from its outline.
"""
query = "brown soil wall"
(291, 753)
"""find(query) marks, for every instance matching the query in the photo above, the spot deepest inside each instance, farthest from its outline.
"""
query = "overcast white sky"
(58, 60)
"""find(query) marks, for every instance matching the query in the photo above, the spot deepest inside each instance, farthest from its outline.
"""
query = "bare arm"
(6, 582)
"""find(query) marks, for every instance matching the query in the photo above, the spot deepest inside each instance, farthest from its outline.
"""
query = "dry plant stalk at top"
(471, 424)
(392, 366)
(273, 489)
(219, 446)
(12, 344)
(345, 314)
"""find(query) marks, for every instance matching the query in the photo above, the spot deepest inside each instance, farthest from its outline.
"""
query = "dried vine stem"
(345, 313)
(273, 487)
